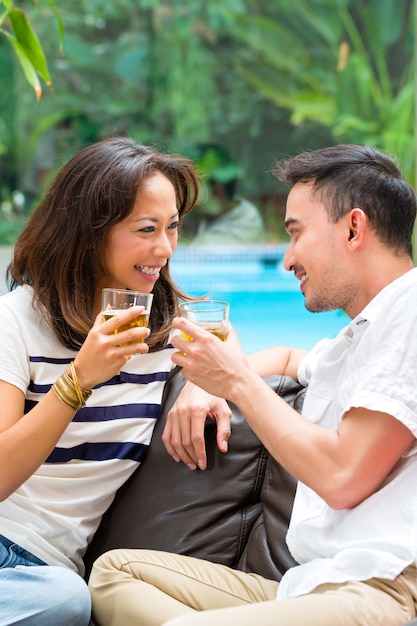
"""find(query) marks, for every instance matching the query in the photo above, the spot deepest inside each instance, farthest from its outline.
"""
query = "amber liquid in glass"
(217, 331)
(136, 322)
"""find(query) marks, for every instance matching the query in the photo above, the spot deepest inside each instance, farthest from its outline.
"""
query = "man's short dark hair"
(349, 176)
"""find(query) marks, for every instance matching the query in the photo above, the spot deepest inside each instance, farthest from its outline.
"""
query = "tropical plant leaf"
(29, 43)
(26, 64)
(8, 4)
(3, 16)
(388, 18)
(60, 23)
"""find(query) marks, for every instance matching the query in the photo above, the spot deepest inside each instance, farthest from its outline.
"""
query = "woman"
(78, 409)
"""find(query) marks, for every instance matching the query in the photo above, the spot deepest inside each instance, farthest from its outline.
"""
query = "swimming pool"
(266, 305)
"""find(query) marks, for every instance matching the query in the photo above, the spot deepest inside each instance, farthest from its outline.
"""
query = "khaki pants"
(150, 588)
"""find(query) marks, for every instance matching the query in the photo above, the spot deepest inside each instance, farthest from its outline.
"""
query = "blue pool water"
(266, 305)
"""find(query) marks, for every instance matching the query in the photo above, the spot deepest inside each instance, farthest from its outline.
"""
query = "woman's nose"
(164, 246)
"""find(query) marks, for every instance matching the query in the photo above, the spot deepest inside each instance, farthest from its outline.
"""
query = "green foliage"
(15, 26)
(10, 230)
(351, 69)
(153, 69)
(260, 78)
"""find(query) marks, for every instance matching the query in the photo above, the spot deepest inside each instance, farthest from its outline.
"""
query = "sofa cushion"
(216, 514)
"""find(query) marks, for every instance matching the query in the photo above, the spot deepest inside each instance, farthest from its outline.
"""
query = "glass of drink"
(115, 301)
(212, 315)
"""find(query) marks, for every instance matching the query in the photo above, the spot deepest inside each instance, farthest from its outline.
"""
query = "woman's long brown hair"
(60, 252)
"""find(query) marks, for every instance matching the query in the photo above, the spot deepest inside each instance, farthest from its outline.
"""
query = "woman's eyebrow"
(154, 219)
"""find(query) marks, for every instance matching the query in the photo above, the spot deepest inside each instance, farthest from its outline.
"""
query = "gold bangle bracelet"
(65, 397)
(83, 394)
(68, 390)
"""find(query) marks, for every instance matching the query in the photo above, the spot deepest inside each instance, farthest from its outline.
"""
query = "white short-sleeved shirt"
(242, 224)
(57, 510)
(372, 363)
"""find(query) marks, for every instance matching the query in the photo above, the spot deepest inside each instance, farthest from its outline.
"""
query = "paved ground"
(5, 254)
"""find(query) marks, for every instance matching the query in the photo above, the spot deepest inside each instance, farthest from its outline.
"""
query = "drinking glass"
(212, 315)
(115, 301)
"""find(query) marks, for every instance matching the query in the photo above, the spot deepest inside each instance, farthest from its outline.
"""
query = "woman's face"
(141, 244)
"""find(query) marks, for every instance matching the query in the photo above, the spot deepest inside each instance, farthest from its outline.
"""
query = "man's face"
(316, 253)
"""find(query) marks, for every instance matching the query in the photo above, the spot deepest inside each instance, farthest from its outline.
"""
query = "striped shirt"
(55, 513)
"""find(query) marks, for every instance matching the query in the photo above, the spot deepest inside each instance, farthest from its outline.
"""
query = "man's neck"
(376, 273)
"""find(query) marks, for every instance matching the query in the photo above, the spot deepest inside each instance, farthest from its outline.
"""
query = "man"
(225, 218)
(350, 217)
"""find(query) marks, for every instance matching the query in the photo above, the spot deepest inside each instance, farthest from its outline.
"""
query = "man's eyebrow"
(291, 221)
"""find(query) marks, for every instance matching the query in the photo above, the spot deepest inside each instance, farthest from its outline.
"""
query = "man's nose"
(289, 259)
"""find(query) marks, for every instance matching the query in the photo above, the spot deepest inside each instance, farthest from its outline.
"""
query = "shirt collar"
(372, 309)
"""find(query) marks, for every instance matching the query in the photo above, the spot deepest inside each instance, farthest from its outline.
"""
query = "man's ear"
(356, 224)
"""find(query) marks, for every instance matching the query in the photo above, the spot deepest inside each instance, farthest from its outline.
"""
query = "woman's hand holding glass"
(105, 351)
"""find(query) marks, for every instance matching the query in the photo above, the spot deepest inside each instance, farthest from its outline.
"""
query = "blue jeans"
(33, 593)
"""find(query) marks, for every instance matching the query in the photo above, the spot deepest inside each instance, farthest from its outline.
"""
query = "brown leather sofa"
(236, 512)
